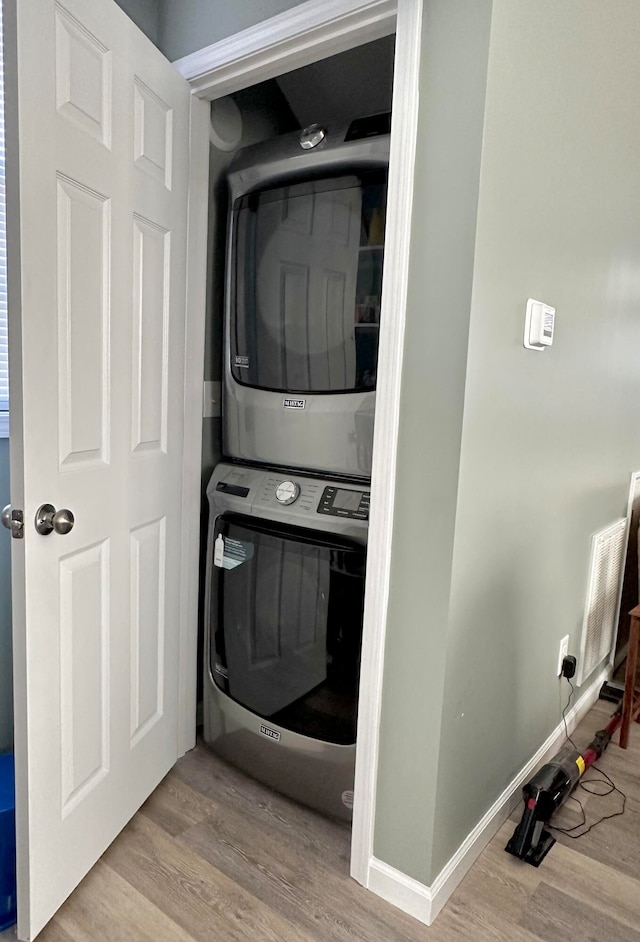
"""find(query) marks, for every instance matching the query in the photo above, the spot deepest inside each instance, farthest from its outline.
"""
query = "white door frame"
(195, 311)
(311, 31)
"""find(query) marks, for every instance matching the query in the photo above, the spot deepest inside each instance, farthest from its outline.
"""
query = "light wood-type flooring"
(214, 856)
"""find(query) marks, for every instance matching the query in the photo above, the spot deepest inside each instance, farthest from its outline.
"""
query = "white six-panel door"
(97, 247)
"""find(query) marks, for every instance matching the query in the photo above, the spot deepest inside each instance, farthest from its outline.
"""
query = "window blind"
(4, 346)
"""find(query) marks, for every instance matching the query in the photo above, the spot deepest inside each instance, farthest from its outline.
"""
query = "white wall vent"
(599, 626)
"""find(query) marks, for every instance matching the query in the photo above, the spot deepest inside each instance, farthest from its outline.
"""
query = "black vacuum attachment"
(543, 794)
(549, 789)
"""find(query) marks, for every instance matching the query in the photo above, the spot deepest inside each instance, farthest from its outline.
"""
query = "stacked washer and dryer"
(289, 505)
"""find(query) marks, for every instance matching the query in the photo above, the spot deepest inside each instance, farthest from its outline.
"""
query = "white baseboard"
(425, 902)
(402, 891)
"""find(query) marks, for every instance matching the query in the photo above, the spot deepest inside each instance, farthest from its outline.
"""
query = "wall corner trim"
(404, 132)
(425, 902)
(195, 307)
(395, 887)
(310, 31)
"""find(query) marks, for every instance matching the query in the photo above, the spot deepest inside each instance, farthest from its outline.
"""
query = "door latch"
(13, 520)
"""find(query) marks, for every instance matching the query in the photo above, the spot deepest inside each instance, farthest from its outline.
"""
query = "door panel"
(151, 262)
(83, 77)
(153, 134)
(84, 231)
(148, 572)
(84, 672)
(97, 266)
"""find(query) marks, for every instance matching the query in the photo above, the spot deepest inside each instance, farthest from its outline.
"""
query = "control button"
(287, 492)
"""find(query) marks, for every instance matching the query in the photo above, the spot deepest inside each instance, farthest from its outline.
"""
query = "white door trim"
(404, 123)
(198, 213)
(305, 34)
(311, 31)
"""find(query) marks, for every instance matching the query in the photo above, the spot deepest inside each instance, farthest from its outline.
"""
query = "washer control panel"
(285, 495)
(340, 502)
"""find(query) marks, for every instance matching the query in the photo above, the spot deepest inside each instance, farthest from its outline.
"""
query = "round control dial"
(287, 492)
(312, 136)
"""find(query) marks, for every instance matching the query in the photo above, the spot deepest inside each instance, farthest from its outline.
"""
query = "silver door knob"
(13, 520)
(49, 519)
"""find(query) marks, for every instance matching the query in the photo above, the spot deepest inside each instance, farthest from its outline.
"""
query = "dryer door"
(286, 624)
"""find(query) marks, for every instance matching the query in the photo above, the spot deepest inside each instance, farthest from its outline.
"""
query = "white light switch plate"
(538, 325)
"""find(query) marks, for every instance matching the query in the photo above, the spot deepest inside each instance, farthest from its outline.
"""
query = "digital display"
(346, 500)
(342, 503)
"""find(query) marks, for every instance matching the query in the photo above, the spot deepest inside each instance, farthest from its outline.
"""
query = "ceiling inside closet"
(335, 90)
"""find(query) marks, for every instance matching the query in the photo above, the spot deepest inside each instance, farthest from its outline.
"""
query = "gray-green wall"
(146, 15)
(455, 40)
(189, 25)
(548, 440)
(6, 663)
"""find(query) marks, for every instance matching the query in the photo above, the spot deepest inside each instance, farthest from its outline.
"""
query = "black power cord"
(564, 716)
(583, 785)
(605, 780)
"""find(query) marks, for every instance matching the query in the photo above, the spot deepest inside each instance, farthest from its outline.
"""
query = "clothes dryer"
(303, 293)
(283, 627)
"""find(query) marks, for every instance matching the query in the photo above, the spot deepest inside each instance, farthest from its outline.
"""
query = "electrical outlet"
(562, 653)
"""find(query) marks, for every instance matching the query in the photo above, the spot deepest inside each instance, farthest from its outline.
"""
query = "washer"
(283, 628)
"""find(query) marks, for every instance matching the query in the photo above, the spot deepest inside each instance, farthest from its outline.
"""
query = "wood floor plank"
(510, 883)
(496, 876)
(228, 788)
(321, 900)
(175, 806)
(199, 898)
(105, 906)
(553, 915)
(588, 880)
(471, 919)
(52, 932)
